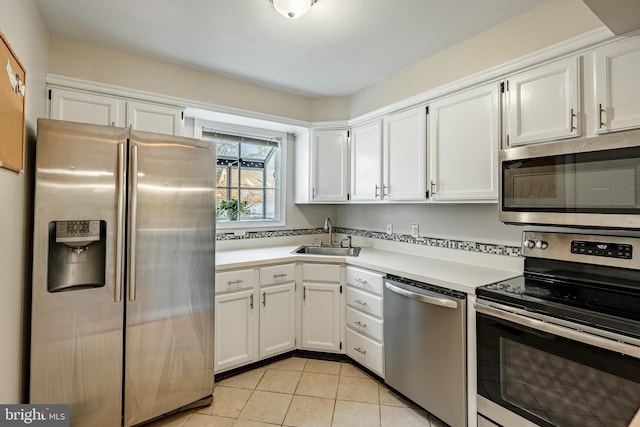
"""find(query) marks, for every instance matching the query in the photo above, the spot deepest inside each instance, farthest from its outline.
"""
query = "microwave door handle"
(121, 194)
(429, 299)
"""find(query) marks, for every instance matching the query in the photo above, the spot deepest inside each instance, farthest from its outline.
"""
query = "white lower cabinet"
(365, 351)
(364, 318)
(236, 319)
(277, 319)
(321, 307)
(256, 314)
(235, 330)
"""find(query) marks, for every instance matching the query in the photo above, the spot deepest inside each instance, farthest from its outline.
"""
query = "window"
(249, 177)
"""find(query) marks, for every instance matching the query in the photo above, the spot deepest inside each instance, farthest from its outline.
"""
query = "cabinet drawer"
(365, 351)
(275, 274)
(234, 280)
(321, 272)
(365, 279)
(364, 301)
(364, 323)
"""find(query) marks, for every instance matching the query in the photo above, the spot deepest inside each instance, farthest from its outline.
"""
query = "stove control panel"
(603, 249)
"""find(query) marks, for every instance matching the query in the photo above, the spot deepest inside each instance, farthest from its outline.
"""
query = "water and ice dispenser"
(76, 257)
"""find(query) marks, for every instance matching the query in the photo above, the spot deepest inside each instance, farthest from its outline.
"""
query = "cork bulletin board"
(12, 91)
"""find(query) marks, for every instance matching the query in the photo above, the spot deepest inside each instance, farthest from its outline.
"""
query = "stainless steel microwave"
(588, 182)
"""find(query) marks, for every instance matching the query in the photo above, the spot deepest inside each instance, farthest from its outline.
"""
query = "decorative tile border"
(270, 233)
(488, 248)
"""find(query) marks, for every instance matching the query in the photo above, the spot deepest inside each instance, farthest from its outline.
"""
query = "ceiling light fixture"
(292, 8)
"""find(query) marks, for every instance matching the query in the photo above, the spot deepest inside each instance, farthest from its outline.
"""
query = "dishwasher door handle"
(434, 299)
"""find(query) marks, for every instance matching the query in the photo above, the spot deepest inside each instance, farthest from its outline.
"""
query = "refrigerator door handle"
(133, 219)
(122, 179)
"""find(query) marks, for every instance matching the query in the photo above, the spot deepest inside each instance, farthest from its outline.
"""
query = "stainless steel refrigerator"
(123, 273)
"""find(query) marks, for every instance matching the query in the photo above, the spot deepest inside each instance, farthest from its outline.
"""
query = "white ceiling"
(338, 49)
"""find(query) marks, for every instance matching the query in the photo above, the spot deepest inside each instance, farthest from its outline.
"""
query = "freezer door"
(77, 315)
(171, 271)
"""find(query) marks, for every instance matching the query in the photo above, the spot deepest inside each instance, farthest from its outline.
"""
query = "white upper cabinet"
(366, 162)
(544, 103)
(617, 67)
(464, 135)
(405, 155)
(322, 166)
(85, 107)
(329, 166)
(154, 118)
(106, 110)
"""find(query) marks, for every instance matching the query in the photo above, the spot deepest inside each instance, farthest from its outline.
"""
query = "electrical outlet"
(240, 233)
(389, 228)
(415, 233)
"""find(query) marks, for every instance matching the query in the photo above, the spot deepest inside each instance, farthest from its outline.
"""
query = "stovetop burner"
(592, 294)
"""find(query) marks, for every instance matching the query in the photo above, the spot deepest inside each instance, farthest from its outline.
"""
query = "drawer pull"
(359, 323)
(360, 302)
(234, 282)
(361, 351)
(280, 276)
(362, 282)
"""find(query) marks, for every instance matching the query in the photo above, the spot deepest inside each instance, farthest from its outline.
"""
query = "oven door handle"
(429, 299)
(562, 331)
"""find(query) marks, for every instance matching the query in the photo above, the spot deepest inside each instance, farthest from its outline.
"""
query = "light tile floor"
(301, 392)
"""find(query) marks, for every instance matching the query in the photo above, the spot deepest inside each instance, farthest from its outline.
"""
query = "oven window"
(554, 381)
(594, 182)
(563, 391)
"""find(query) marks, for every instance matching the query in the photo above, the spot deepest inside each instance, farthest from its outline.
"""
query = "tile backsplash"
(464, 245)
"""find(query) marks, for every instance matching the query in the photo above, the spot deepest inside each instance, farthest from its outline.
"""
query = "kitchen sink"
(327, 250)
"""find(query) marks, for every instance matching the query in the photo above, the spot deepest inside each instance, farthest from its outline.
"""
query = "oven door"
(593, 183)
(547, 372)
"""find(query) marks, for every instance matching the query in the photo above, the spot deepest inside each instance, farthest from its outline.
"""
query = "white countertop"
(440, 272)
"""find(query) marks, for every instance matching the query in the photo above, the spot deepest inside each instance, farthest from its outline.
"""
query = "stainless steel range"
(560, 345)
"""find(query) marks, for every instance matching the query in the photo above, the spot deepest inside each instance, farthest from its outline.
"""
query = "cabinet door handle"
(251, 302)
(385, 190)
(571, 116)
(600, 111)
(359, 323)
(377, 192)
(264, 299)
(360, 302)
(359, 350)
(433, 188)
(313, 193)
(304, 293)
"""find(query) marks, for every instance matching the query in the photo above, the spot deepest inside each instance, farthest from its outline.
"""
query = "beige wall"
(548, 24)
(21, 25)
(89, 62)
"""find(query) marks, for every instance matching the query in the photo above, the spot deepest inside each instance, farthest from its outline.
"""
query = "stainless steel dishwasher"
(425, 346)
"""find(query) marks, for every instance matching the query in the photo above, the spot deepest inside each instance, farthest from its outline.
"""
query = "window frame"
(258, 133)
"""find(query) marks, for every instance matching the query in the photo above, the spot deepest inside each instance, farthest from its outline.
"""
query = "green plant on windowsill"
(229, 208)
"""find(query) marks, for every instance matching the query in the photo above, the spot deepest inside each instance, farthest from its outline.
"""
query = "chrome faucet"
(329, 228)
(348, 240)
